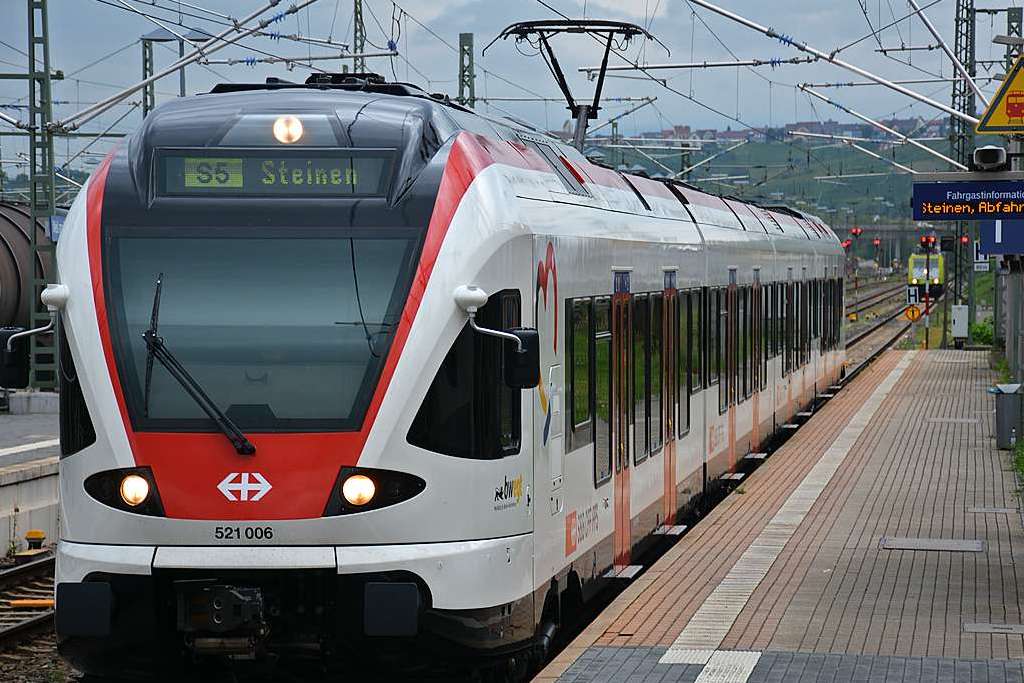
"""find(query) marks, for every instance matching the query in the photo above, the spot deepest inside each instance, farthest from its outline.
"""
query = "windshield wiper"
(157, 349)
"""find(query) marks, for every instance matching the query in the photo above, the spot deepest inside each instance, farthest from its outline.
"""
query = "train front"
(243, 277)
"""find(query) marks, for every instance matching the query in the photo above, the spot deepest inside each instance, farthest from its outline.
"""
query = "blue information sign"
(967, 201)
(1002, 237)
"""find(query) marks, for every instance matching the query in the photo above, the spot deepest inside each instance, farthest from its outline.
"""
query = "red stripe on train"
(301, 467)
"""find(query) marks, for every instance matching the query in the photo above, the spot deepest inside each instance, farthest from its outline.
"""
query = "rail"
(19, 585)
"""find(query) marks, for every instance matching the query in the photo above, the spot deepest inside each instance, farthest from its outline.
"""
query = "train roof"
(427, 120)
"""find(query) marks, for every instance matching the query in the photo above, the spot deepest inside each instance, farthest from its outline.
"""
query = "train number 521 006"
(243, 533)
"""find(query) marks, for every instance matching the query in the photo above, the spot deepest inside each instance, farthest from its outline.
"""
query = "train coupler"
(220, 619)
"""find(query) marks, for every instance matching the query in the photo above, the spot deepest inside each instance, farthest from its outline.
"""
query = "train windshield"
(920, 269)
(286, 331)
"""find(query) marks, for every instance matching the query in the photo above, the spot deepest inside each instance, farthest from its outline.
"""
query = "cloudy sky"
(83, 32)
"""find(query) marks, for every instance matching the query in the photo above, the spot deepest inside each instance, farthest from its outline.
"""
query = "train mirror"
(14, 364)
(522, 361)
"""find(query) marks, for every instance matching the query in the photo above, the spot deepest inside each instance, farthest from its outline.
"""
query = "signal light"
(856, 232)
(964, 239)
(877, 242)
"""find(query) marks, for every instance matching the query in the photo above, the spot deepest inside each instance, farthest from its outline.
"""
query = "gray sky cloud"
(83, 31)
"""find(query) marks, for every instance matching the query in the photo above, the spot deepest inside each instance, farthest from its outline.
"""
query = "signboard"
(980, 259)
(273, 173)
(913, 313)
(1005, 113)
(912, 295)
(968, 201)
(1002, 237)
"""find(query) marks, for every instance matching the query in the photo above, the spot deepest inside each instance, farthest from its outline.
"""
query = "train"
(352, 372)
(927, 273)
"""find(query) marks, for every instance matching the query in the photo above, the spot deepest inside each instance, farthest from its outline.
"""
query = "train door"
(622, 407)
(670, 392)
(732, 364)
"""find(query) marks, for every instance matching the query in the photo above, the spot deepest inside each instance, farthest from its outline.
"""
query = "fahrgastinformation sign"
(970, 200)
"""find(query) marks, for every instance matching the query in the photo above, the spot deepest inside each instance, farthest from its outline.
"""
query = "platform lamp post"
(856, 232)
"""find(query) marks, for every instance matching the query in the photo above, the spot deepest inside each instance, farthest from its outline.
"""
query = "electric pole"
(43, 363)
(358, 37)
(961, 138)
(467, 75)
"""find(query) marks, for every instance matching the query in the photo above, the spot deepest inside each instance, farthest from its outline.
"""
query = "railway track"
(24, 592)
(874, 298)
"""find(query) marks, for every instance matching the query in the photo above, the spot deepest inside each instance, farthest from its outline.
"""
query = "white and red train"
(281, 432)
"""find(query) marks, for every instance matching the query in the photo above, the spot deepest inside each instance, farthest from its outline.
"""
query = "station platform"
(880, 543)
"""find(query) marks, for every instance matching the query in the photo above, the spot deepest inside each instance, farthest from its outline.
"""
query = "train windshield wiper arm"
(157, 349)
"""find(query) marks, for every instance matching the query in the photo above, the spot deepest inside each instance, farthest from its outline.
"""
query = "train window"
(721, 348)
(468, 411)
(656, 371)
(787, 332)
(641, 379)
(683, 359)
(76, 429)
(741, 344)
(602, 388)
(697, 307)
(712, 324)
(579, 342)
(805, 319)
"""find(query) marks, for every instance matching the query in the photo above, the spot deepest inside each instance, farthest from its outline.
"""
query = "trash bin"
(1007, 415)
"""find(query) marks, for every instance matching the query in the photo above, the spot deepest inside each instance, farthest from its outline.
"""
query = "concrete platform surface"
(28, 437)
(880, 543)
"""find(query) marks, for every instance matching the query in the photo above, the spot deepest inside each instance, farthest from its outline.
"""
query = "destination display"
(273, 175)
(959, 201)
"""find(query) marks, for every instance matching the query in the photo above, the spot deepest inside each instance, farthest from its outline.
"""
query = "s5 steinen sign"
(967, 201)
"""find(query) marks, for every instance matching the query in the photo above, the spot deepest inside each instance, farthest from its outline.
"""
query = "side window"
(580, 427)
(721, 351)
(76, 429)
(685, 358)
(641, 378)
(602, 387)
(742, 344)
(697, 307)
(656, 371)
(713, 323)
(468, 411)
(766, 324)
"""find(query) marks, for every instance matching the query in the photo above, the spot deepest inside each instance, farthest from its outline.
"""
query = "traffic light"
(964, 239)
(856, 232)
(877, 242)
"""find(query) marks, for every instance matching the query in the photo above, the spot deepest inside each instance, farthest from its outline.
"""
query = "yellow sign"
(1005, 113)
(213, 172)
(913, 313)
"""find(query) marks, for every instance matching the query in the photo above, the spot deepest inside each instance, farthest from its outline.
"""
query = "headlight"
(134, 490)
(131, 489)
(358, 489)
(935, 281)
(361, 489)
(914, 281)
(287, 129)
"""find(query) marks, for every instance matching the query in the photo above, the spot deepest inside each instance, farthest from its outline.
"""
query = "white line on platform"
(706, 630)
(35, 445)
(729, 667)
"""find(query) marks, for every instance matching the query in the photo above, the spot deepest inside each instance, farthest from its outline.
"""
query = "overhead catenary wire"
(875, 155)
(804, 47)
(949, 53)
(702, 65)
(884, 128)
(218, 42)
(227, 20)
